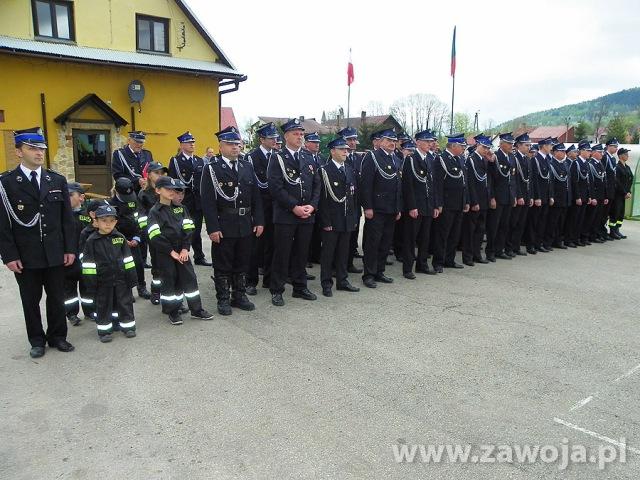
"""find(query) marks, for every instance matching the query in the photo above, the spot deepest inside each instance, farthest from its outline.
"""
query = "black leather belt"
(236, 211)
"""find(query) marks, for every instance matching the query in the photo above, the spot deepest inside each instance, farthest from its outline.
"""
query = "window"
(53, 19)
(152, 34)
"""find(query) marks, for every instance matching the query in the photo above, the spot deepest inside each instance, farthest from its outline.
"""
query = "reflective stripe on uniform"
(89, 271)
(130, 324)
(171, 298)
(192, 294)
(88, 265)
(71, 301)
(154, 230)
(142, 221)
(187, 224)
(114, 314)
(108, 326)
(156, 282)
(127, 259)
(88, 301)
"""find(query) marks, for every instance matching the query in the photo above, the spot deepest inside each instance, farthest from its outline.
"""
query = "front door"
(92, 159)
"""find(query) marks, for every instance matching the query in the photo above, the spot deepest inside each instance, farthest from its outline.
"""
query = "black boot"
(143, 292)
(222, 294)
(240, 299)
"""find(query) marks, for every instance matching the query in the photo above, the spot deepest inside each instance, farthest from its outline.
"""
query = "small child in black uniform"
(109, 272)
(147, 198)
(170, 230)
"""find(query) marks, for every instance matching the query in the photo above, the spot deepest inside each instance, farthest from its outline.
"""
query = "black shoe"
(277, 300)
(532, 251)
(510, 254)
(175, 319)
(347, 287)
(183, 309)
(425, 270)
(503, 256)
(468, 263)
(62, 345)
(491, 258)
(36, 352)
(409, 275)
(224, 307)
(310, 277)
(369, 282)
(146, 266)
(144, 293)
(130, 333)
(542, 249)
(353, 269)
(242, 302)
(520, 253)
(481, 260)
(382, 278)
(304, 294)
(560, 246)
(549, 247)
(571, 245)
(453, 265)
(201, 314)
(580, 243)
(202, 261)
(326, 291)
(155, 299)
(438, 269)
(74, 320)
(106, 338)
(251, 290)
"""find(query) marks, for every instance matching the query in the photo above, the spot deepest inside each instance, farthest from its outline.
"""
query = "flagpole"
(453, 77)
(349, 94)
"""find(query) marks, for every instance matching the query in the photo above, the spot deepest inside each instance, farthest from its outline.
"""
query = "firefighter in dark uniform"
(170, 230)
(609, 161)
(126, 203)
(73, 274)
(262, 253)
(624, 183)
(559, 199)
(418, 197)
(354, 160)
(519, 213)
(233, 212)
(312, 147)
(452, 200)
(337, 217)
(479, 185)
(381, 198)
(295, 189)
(581, 195)
(187, 167)
(503, 173)
(398, 230)
(539, 181)
(130, 160)
(599, 195)
(37, 239)
(108, 272)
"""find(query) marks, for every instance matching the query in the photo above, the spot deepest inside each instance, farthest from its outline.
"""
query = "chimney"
(363, 116)
(302, 118)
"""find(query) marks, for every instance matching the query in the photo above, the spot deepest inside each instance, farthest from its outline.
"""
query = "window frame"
(54, 20)
(152, 20)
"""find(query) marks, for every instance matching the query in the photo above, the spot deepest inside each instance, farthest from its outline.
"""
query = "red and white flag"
(349, 70)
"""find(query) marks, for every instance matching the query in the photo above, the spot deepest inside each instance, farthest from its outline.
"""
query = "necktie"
(343, 174)
(233, 165)
(296, 156)
(34, 181)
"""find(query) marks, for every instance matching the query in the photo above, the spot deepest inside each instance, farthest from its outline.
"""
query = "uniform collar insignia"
(19, 178)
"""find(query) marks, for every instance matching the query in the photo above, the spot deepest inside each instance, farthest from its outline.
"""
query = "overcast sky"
(513, 57)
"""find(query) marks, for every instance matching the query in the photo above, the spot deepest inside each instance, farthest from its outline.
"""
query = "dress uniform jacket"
(478, 181)
(624, 179)
(559, 183)
(598, 180)
(341, 216)
(300, 187)
(107, 260)
(259, 161)
(234, 218)
(382, 195)
(450, 182)
(45, 243)
(354, 160)
(502, 172)
(318, 159)
(522, 177)
(190, 172)
(417, 185)
(125, 163)
(580, 187)
(539, 178)
(609, 162)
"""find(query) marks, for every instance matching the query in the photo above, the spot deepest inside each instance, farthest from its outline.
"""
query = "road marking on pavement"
(629, 373)
(581, 403)
(596, 435)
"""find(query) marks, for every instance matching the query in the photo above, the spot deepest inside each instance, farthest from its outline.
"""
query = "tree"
(618, 127)
(635, 139)
(364, 132)
(582, 130)
(462, 123)
(417, 111)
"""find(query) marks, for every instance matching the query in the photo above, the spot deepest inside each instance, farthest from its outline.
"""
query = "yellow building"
(88, 71)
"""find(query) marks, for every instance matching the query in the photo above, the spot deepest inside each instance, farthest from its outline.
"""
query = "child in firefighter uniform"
(170, 231)
(73, 273)
(109, 274)
(147, 198)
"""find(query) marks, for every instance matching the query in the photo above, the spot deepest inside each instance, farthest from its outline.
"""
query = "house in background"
(88, 71)
(560, 132)
(376, 122)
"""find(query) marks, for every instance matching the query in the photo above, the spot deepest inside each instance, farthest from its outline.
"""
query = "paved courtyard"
(535, 351)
